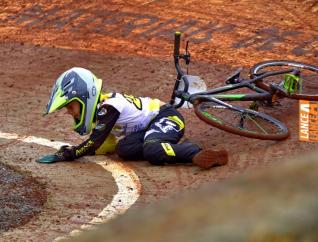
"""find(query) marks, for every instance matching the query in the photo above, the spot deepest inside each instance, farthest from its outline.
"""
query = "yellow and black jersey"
(135, 112)
(119, 114)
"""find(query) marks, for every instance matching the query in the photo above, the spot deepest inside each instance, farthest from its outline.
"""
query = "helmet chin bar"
(80, 126)
(77, 121)
(81, 85)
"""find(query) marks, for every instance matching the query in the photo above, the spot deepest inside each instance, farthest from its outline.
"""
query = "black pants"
(159, 142)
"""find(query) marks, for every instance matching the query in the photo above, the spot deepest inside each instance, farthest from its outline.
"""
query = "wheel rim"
(248, 123)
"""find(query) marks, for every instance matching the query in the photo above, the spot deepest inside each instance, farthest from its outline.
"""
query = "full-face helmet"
(81, 85)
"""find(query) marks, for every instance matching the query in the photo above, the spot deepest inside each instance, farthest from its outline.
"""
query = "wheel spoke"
(256, 123)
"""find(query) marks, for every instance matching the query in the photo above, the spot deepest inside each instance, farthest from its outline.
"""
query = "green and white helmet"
(81, 85)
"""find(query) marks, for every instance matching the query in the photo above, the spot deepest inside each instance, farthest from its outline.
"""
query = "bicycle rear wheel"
(240, 121)
(308, 83)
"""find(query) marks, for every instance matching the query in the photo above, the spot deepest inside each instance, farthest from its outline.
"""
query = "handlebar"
(180, 73)
(177, 39)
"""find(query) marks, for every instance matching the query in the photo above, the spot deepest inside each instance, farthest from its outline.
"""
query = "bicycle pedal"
(292, 83)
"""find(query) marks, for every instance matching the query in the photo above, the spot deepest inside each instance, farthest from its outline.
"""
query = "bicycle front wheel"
(306, 87)
(244, 122)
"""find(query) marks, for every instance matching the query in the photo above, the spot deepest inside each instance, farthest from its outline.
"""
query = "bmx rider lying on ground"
(136, 128)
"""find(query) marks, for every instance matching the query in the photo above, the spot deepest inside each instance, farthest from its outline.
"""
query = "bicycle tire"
(309, 90)
(215, 115)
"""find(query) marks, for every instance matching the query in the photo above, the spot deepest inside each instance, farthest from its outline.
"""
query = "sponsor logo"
(134, 100)
(171, 123)
(308, 120)
(83, 149)
(168, 149)
(102, 112)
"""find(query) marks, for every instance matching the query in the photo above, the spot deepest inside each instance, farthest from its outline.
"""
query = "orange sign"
(308, 120)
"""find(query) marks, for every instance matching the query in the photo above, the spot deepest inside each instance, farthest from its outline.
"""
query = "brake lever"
(187, 54)
(187, 45)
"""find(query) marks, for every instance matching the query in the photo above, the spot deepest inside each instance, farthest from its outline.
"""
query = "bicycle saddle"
(235, 77)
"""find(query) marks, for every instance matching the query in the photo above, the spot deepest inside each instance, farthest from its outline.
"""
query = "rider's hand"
(65, 153)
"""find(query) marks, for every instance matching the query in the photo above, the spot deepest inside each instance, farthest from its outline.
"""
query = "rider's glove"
(65, 153)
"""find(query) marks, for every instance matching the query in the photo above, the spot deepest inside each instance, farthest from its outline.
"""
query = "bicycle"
(212, 105)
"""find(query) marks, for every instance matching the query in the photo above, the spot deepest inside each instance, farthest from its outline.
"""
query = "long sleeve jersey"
(119, 114)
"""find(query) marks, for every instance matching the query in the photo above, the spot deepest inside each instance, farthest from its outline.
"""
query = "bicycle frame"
(214, 94)
(260, 94)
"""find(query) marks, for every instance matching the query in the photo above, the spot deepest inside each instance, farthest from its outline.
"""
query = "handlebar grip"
(177, 38)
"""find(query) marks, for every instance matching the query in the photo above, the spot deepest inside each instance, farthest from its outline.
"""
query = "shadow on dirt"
(22, 197)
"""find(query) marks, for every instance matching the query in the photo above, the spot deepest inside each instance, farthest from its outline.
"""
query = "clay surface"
(129, 45)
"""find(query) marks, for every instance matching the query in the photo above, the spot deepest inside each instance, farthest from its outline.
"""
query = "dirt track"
(129, 46)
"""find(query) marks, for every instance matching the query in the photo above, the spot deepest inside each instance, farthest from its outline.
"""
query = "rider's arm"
(105, 121)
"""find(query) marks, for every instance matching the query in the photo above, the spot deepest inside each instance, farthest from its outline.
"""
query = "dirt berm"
(274, 204)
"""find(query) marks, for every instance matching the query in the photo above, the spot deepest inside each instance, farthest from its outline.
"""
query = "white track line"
(126, 179)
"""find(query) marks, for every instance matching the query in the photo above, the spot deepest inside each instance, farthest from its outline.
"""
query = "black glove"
(65, 153)
(62, 148)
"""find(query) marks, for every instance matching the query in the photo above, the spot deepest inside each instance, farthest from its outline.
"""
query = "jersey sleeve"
(106, 118)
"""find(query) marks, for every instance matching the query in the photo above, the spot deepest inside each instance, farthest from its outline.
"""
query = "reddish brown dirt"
(129, 46)
(21, 198)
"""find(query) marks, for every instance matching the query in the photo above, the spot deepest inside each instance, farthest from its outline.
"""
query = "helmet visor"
(57, 99)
